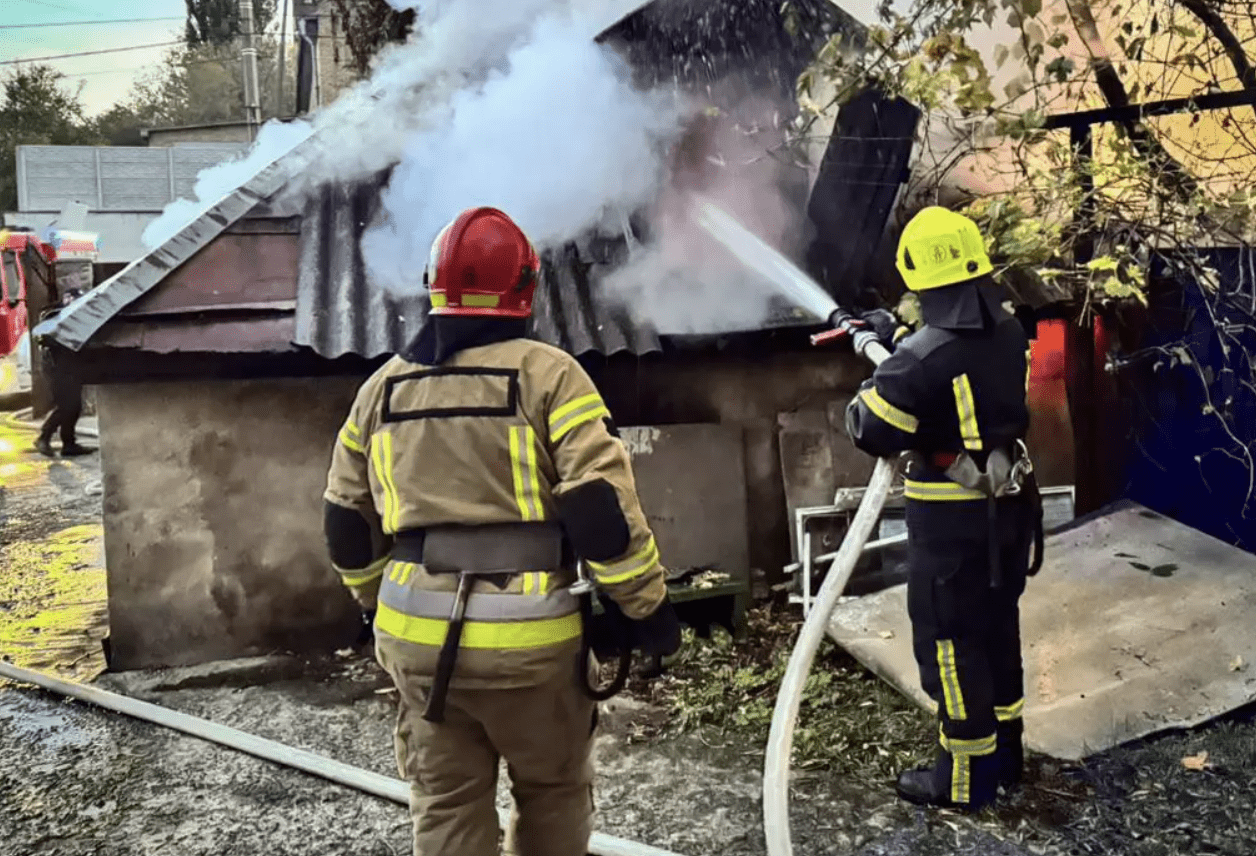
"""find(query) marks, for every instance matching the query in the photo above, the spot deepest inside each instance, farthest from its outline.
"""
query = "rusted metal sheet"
(249, 335)
(85, 317)
(231, 270)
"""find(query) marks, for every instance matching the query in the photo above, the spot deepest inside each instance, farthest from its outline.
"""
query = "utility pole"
(248, 53)
(283, 56)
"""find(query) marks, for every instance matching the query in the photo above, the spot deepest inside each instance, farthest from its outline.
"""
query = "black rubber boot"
(931, 786)
(44, 446)
(74, 450)
(1011, 753)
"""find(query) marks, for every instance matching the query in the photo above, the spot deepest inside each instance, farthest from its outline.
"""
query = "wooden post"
(1079, 347)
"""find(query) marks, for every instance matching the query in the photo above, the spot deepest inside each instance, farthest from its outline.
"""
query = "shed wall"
(213, 514)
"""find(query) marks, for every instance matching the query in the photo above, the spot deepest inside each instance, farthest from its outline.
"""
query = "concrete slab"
(1135, 625)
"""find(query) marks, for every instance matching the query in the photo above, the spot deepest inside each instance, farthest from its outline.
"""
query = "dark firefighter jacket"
(943, 392)
(499, 435)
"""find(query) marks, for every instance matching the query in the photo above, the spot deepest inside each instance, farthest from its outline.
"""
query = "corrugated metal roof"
(83, 318)
(339, 312)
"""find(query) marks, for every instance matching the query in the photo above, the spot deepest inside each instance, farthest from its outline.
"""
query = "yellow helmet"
(940, 248)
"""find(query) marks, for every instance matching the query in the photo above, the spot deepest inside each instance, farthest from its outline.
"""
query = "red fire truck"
(19, 250)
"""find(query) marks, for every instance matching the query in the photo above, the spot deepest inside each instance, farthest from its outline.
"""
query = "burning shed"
(227, 357)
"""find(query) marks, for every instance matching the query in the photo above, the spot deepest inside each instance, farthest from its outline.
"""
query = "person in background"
(67, 397)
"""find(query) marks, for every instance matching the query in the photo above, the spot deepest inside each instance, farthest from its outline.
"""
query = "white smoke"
(557, 138)
(274, 140)
(686, 282)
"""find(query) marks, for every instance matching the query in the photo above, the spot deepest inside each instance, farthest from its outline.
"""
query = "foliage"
(217, 22)
(1166, 184)
(199, 85)
(849, 721)
(368, 25)
(38, 109)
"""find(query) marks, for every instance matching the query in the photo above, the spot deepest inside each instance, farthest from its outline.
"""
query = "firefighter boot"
(975, 788)
(1011, 753)
(74, 450)
(44, 446)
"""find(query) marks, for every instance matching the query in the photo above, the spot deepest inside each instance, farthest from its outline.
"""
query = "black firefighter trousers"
(966, 632)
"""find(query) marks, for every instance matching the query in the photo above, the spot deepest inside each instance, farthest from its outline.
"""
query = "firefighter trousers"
(545, 735)
(965, 631)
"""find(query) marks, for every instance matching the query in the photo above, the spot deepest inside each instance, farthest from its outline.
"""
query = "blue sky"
(105, 78)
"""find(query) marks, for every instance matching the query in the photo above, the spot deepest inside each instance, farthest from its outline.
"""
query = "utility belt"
(1008, 472)
(492, 552)
(495, 553)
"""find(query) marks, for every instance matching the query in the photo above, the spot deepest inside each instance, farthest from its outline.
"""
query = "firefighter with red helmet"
(471, 472)
(954, 395)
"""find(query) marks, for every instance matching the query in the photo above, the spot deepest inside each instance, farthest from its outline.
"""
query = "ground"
(679, 759)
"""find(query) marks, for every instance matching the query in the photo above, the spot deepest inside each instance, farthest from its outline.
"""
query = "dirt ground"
(679, 759)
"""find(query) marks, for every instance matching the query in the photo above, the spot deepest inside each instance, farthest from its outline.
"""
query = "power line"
(85, 23)
(89, 53)
(52, 5)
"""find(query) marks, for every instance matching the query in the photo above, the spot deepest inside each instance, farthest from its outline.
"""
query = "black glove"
(658, 634)
(888, 328)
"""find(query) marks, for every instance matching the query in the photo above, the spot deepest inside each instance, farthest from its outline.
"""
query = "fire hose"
(774, 267)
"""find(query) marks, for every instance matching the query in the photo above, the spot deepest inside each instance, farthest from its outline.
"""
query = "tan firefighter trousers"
(545, 734)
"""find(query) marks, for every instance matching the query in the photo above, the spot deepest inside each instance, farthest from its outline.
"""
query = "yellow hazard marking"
(888, 413)
(482, 635)
(966, 407)
(949, 671)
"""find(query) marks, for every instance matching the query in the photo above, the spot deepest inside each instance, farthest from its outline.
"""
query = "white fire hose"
(385, 787)
(774, 267)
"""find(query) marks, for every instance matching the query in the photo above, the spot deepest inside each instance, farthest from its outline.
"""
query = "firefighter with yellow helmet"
(954, 395)
(472, 472)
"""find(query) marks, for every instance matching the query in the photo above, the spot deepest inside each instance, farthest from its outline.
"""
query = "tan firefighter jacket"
(491, 436)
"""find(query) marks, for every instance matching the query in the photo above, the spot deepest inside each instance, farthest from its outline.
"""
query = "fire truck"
(29, 264)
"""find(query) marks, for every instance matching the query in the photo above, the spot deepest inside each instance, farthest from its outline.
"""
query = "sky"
(105, 78)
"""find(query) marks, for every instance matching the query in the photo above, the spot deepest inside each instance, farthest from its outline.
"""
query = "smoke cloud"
(557, 138)
(685, 282)
(274, 140)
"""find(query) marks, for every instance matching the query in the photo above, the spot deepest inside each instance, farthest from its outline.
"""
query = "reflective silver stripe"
(481, 606)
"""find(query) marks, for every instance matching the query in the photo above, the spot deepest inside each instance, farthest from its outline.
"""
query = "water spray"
(771, 264)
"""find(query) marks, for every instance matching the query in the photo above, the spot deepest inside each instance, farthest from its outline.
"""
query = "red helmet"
(482, 264)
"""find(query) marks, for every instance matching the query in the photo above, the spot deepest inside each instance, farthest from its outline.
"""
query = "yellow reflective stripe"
(353, 429)
(625, 569)
(1029, 369)
(483, 301)
(439, 298)
(360, 577)
(978, 746)
(1011, 711)
(966, 407)
(950, 681)
(946, 491)
(542, 583)
(568, 418)
(381, 457)
(531, 583)
(961, 783)
(888, 413)
(350, 443)
(572, 406)
(481, 635)
(523, 468)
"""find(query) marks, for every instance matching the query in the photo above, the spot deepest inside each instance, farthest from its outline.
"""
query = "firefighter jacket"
(941, 393)
(512, 437)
